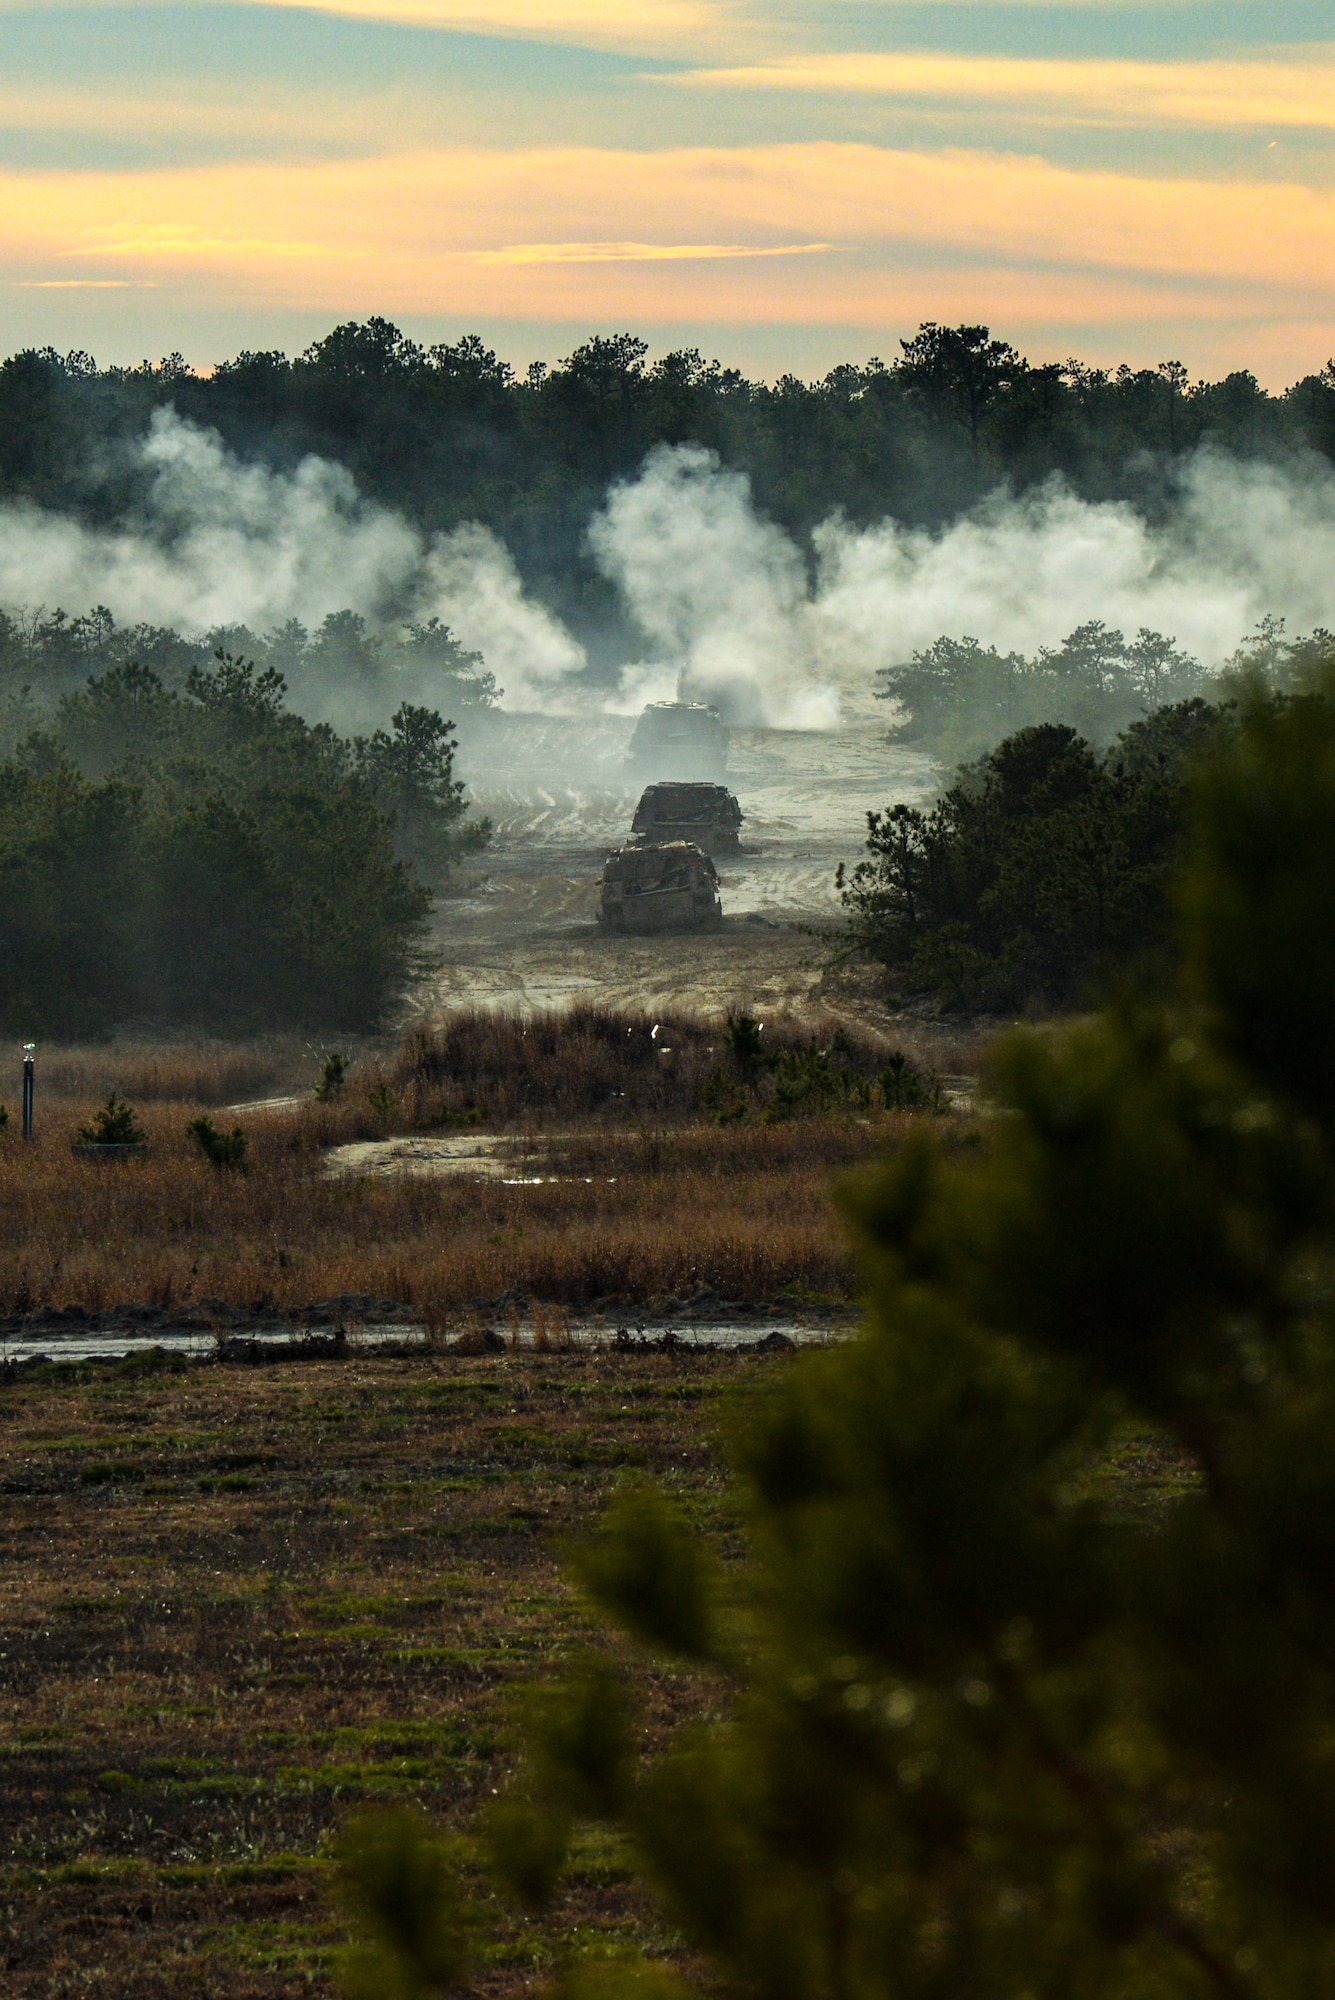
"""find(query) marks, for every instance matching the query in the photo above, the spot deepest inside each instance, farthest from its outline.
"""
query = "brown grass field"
(241, 1604)
(639, 1197)
(745, 1212)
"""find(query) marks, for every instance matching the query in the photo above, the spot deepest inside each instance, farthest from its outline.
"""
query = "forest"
(450, 433)
(203, 855)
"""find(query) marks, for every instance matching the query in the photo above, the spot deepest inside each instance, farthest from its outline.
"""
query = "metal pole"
(28, 1048)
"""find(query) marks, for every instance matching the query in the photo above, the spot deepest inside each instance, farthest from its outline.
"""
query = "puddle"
(477, 1155)
(57, 1346)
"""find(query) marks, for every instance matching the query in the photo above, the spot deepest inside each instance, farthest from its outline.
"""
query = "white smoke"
(725, 598)
(721, 592)
(469, 581)
(221, 543)
(1246, 541)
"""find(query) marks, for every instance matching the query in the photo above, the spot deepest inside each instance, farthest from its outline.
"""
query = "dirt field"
(523, 933)
(239, 1604)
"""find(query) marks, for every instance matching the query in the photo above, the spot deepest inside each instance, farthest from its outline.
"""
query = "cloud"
(648, 27)
(1236, 94)
(403, 233)
(1040, 250)
(637, 253)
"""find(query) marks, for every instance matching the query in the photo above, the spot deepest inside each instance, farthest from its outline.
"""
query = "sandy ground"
(523, 933)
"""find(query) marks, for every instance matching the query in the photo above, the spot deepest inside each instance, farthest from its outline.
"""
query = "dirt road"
(523, 932)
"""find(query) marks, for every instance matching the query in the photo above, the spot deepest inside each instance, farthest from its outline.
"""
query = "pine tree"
(1026, 1686)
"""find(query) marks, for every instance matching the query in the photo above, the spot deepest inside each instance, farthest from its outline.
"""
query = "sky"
(786, 184)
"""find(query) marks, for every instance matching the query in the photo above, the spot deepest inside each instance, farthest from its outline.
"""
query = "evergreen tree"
(202, 855)
(410, 772)
(995, 1712)
(1040, 871)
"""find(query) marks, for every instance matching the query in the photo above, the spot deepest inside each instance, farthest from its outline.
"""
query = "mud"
(522, 932)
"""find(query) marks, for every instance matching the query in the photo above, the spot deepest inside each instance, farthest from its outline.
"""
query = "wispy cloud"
(454, 231)
(637, 253)
(86, 284)
(685, 28)
(1295, 93)
(174, 242)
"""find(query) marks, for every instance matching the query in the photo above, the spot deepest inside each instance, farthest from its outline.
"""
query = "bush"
(591, 1060)
(1041, 870)
(114, 1125)
(220, 1149)
(958, 697)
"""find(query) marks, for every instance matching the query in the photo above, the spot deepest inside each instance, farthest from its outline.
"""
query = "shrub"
(220, 1149)
(1040, 871)
(114, 1125)
(333, 1078)
(198, 855)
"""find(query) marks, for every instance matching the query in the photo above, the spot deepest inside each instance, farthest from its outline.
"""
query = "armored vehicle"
(707, 814)
(671, 887)
(678, 739)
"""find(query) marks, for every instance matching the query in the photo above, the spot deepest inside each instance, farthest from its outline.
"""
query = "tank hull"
(671, 887)
(679, 911)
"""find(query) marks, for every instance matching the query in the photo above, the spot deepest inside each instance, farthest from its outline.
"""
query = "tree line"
(958, 698)
(449, 432)
(1045, 868)
(201, 855)
(343, 671)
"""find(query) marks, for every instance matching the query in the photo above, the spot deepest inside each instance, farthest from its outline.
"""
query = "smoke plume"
(219, 543)
(724, 596)
(731, 609)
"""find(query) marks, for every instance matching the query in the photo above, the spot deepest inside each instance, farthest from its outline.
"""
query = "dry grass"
(588, 1062)
(644, 1201)
(237, 1605)
(745, 1211)
(159, 1072)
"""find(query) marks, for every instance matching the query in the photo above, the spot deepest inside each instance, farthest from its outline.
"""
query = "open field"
(523, 933)
(237, 1605)
(627, 1218)
(621, 1190)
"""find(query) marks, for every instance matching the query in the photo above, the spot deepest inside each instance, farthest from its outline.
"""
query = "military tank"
(678, 739)
(709, 815)
(670, 886)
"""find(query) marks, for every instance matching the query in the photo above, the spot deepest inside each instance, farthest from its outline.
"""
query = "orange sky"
(680, 165)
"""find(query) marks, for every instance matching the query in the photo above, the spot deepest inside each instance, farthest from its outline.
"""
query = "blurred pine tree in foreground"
(986, 1726)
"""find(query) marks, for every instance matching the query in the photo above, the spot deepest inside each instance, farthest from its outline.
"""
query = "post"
(28, 1048)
